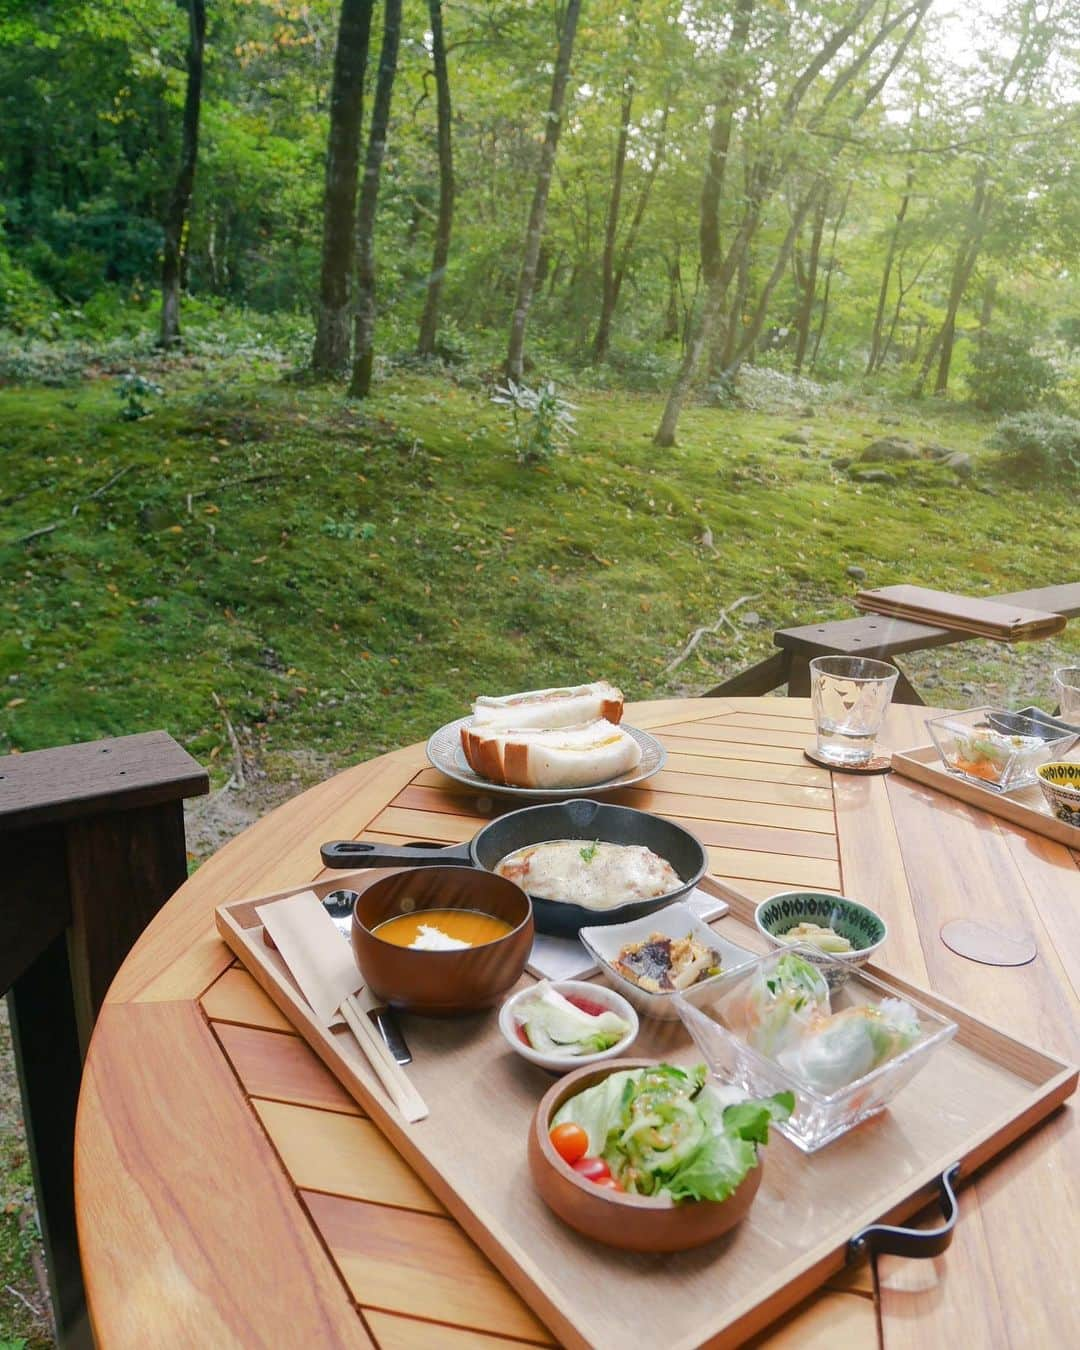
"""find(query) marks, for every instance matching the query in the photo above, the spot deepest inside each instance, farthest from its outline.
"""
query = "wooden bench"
(871, 635)
(91, 846)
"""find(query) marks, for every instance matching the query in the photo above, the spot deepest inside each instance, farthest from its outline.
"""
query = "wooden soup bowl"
(636, 1223)
(442, 984)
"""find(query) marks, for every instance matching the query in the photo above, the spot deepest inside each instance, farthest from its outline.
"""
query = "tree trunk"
(941, 347)
(526, 281)
(731, 79)
(331, 352)
(611, 227)
(429, 324)
(671, 315)
(829, 276)
(734, 323)
(809, 288)
(886, 276)
(757, 320)
(180, 200)
(364, 323)
(986, 314)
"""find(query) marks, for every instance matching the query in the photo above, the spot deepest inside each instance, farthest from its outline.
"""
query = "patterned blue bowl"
(1060, 783)
(864, 929)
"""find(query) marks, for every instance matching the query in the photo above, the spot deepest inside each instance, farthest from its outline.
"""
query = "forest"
(652, 193)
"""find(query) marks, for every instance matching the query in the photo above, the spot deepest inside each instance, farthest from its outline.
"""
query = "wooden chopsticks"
(389, 1072)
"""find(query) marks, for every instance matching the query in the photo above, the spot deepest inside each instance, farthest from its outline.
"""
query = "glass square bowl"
(720, 1026)
(674, 921)
(998, 750)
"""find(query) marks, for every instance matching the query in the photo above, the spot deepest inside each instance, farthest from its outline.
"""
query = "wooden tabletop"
(228, 1189)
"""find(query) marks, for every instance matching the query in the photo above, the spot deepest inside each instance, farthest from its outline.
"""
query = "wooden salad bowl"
(636, 1223)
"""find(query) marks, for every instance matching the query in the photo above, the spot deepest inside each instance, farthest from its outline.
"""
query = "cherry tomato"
(586, 1005)
(570, 1142)
(608, 1184)
(592, 1169)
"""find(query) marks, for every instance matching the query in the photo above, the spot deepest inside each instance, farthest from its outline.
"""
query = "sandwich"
(551, 757)
(546, 708)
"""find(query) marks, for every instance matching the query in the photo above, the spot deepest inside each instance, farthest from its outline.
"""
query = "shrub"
(1040, 444)
(1006, 376)
(541, 422)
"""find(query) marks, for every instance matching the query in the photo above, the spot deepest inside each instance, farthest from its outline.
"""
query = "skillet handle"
(879, 1238)
(348, 853)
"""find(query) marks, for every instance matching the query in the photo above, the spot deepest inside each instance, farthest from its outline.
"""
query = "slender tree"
(331, 352)
(429, 322)
(364, 322)
(515, 356)
(808, 281)
(886, 273)
(180, 199)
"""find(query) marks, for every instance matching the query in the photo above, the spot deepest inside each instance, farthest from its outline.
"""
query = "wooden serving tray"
(1024, 806)
(980, 1092)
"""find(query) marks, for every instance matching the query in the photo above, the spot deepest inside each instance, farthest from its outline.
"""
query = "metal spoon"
(340, 905)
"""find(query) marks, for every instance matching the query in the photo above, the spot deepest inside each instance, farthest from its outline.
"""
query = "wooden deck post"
(91, 846)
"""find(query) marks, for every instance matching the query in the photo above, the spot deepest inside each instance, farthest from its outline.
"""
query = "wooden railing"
(91, 846)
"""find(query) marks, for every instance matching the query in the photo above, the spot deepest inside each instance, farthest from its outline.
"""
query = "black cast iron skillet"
(578, 819)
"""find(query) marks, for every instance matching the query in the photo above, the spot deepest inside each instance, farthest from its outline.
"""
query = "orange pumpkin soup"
(442, 929)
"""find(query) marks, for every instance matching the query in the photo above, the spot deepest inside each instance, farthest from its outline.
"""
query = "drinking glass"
(1067, 686)
(849, 696)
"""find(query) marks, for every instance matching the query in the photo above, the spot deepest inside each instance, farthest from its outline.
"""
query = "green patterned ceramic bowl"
(864, 929)
(1060, 783)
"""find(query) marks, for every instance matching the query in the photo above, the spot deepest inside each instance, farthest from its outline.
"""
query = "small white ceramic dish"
(675, 921)
(593, 993)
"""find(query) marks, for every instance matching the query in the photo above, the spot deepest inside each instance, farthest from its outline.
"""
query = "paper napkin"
(311, 946)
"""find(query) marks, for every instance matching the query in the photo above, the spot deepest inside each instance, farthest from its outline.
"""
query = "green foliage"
(1005, 375)
(1040, 446)
(133, 390)
(541, 421)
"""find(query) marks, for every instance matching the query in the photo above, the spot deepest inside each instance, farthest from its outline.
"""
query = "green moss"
(344, 577)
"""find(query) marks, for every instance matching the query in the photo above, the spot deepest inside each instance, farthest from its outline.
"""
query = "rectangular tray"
(976, 1096)
(1025, 806)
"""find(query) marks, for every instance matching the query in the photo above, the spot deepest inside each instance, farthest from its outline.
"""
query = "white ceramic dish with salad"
(672, 925)
(567, 1024)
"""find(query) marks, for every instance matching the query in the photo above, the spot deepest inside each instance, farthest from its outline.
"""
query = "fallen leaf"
(14, 702)
(211, 509)
(261, 559)
(175, 529)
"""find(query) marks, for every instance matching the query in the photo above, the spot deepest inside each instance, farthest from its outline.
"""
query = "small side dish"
(844, 1053)
(592, 874)
(661, 964)
(672, 932)
(838, 933)
(562, 1025)
(1000, 750)
(1060, 784)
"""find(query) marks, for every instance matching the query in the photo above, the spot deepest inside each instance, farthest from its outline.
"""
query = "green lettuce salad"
(663, 1131)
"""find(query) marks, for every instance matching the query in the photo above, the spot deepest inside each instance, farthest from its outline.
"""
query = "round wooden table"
(229, 1192)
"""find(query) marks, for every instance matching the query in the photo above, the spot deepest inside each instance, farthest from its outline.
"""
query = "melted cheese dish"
(595, 875)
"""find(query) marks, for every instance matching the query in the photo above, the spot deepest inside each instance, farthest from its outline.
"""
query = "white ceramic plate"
(564, 1063)
(445, 753)
(676, 921)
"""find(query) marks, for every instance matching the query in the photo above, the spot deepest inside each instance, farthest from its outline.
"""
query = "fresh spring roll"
(781, 1003)
(836, 1050)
